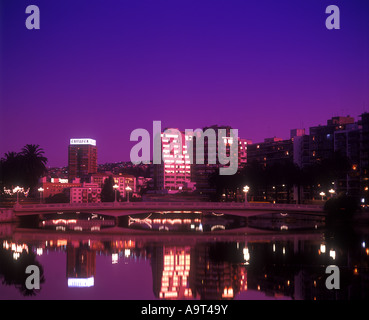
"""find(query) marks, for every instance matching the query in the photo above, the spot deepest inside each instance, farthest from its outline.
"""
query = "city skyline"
(75, 140)
(102, 71)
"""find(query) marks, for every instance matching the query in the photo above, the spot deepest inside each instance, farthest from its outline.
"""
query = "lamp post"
(115, 192)
(331, 191)
(322, 194)
(41, 190)
(128, 189)
(17, 189)
(246, 189)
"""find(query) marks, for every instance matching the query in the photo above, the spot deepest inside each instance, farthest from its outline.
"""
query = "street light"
(115, 189)
(246, 189)
(17, 189)
(41, 190)
(332, 191)
(322, 194)
(128, 189)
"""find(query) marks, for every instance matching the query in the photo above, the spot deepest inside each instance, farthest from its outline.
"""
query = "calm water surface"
(182, 255)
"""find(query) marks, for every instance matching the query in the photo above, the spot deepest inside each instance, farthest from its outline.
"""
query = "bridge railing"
(163, 206)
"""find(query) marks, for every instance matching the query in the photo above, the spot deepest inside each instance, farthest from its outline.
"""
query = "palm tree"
(33, 164)
(10, 156)
(10, 170)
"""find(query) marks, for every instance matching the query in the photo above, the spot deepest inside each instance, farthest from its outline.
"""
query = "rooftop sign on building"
(91, 142)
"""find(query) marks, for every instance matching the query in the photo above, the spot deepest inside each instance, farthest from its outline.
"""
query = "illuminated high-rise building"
(174, 173)
(82, 158)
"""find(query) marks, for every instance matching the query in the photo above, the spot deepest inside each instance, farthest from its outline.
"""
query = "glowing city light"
(81, 282)
(114, 258)
(246, 255)
(246, 190)
(227, 292)
(87, 141)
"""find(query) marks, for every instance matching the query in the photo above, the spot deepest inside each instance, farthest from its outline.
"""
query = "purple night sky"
(100, 69)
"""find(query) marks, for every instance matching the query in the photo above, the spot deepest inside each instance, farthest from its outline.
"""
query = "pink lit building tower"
(174, 174)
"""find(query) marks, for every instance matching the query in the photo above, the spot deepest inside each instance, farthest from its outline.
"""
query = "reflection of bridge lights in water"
(217, 227)
(87, 222)
(146, 221)
(162, 222)
(283, 214)
(62, 221)
(217, 214)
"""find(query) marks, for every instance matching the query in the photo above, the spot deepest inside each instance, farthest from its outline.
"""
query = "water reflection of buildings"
(297, 270)
(294, 269)
(81, 265)
(184, 272)
(272, 268)
(220, 271)
(171, 272)
(198, 269)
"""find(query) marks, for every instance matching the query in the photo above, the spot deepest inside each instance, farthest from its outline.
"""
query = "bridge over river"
(117, 209)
